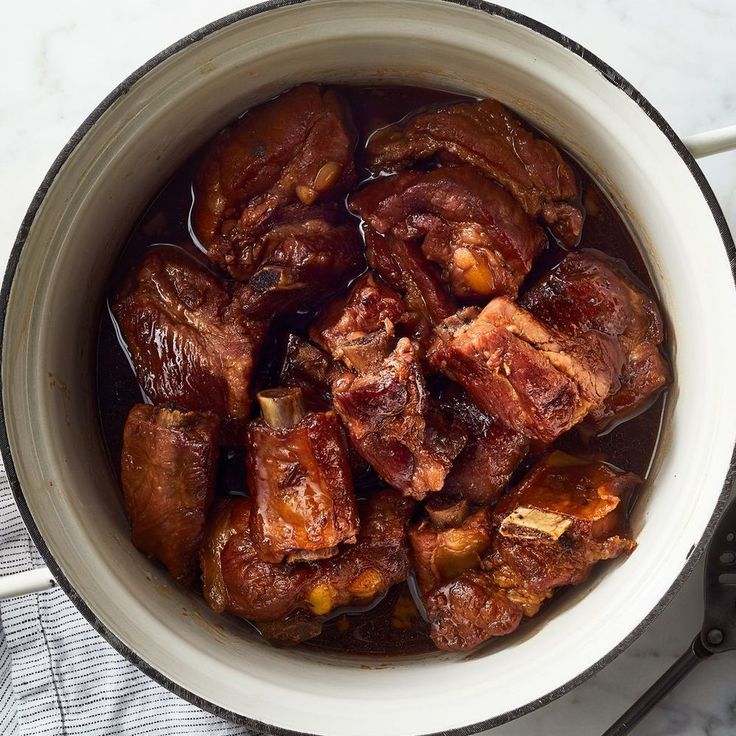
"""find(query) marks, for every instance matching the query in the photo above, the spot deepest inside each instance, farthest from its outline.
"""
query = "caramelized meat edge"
(168, 468)
(190, 343)
(236, 580)
(296, 148)
(489, 136)
(479, 579)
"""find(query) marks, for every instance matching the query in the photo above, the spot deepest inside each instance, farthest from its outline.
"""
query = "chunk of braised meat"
(565, 515)
(189, 342)
(297, 147)
(472, 228)
(236, 580)
(463, 605)
(395, 425)
(591, 291)
(403, 267)
(167, 471)
(478, 580)
(489, 136)
(491, 455)
(468, 611)
(533, 378)
(310, 369)
(301, 262)
(359, 328)
(288, 601)
(300, 481)
(378, 560)
(442, 553)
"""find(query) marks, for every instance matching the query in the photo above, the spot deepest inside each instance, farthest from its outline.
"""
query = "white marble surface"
(60, 59)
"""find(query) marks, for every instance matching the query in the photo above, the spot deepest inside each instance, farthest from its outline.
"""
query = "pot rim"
(480, 5)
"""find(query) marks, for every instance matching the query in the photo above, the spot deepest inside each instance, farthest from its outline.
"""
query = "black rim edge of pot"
(480, 5)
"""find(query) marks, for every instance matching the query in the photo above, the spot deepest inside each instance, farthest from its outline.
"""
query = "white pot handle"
(712, 141)
(22, 583)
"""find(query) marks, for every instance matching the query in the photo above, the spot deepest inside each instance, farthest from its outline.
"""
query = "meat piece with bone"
(168, 468)
(299, 479)
(565, 515)
(489, 136)
(491, 455)
(359, 329)
(591, 291)
(190, 343)
(403, 267)
(463, 605)
(297, 147)
(478, 580)
(301, 261)
(310, 369)
(395, 425)
(472, 228)
(534, 379)
(289, 601)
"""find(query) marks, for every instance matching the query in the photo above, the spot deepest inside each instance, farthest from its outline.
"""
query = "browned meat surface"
(478, 579)
(237, 581)
(591, 291)
(309, 369)
(394, 425)
(300, 481)
(491, 455)
(533, 378)
(463, 605)
(489, 136)
(301, 262)
(403, 267)
(295, 148)
(189, 343)
(443, 554)
(564, 516)
(469, 610)
(419, 365)
(294, 628)
(378, 560)
(168, 468)
(472, 228)
(358, 328)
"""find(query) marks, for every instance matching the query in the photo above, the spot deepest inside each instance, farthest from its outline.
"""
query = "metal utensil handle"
(696, 653)
(711, 141)
(23, 583)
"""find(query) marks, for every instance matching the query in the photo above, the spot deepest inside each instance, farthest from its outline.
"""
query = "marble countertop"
(61, 59)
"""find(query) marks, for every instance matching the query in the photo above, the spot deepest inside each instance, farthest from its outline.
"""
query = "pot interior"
(58, 290)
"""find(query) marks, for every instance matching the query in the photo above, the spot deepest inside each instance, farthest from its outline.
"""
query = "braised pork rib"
(189, 341)
(489, 136)
(366, 338)
(167, 472)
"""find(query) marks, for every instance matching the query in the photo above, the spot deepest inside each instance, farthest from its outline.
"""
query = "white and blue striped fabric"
(59, 677)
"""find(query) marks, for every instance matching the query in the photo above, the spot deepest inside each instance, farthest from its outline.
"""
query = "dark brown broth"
(393, 626)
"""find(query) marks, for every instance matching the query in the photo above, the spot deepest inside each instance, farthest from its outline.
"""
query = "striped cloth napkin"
(59, 677)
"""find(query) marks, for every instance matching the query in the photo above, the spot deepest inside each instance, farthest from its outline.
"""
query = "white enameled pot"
(117, 161)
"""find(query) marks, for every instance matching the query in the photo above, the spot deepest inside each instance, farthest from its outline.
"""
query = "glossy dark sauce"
(393, 625)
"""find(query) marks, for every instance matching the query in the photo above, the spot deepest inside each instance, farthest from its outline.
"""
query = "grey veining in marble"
(60, 59)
